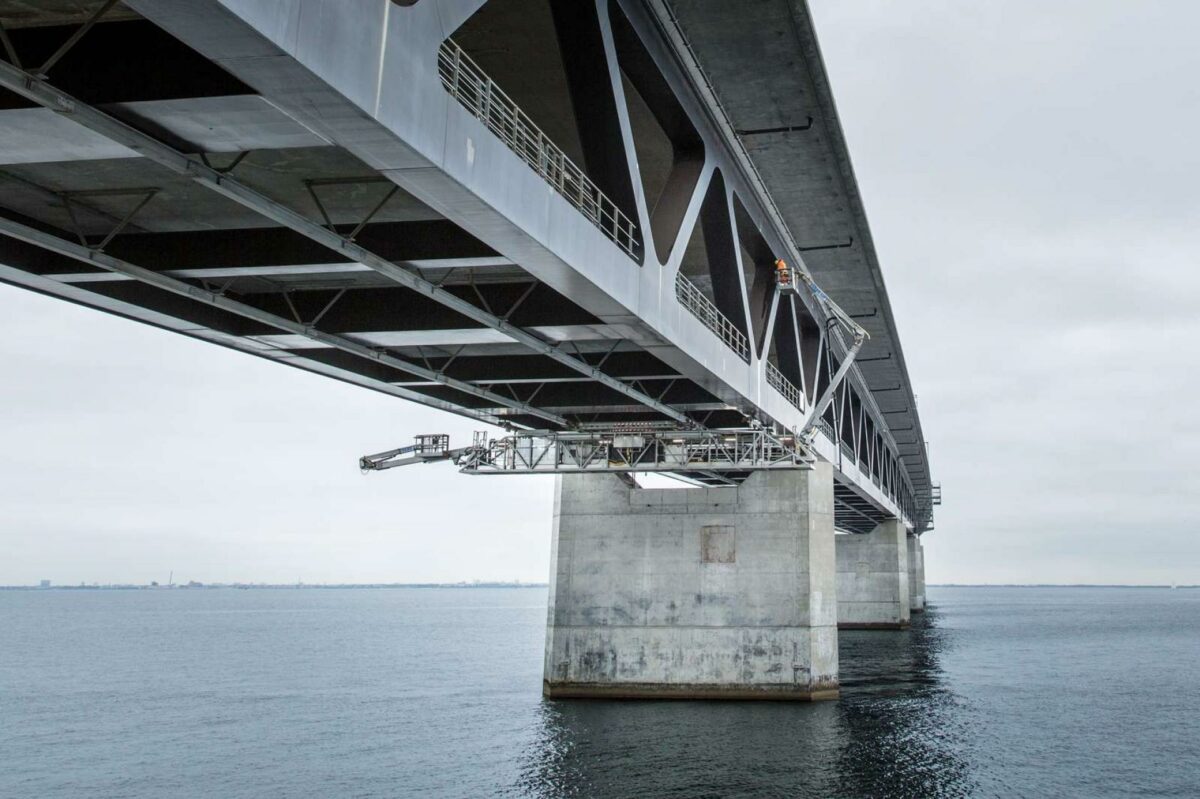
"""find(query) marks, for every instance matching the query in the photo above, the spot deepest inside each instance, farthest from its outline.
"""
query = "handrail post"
(457, 70)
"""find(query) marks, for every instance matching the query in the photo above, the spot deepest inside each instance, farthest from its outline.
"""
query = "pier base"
(916, 574)
(712, 593)
(872, 578)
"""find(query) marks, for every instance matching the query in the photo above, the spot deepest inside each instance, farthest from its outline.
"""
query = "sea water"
(1035, 692)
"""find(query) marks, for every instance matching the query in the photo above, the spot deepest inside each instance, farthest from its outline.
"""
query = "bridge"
(627, 233)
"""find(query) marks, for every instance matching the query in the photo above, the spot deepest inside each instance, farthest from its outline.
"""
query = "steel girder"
(47, 96)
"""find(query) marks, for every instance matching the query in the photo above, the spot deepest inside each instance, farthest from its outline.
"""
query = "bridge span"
(627, 232)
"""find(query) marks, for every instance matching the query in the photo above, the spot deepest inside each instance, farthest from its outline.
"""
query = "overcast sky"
(1030, 171)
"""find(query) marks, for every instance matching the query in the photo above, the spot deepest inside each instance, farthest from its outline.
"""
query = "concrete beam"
(432, 242)
(208, 124)
(455, 337)
(292, 272)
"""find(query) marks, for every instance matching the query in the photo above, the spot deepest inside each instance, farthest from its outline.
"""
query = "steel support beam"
(47, 96)
(105, 261)
(41, 285)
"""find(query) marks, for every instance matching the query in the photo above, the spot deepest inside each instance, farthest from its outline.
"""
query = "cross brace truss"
(612, 450)
(32, 88)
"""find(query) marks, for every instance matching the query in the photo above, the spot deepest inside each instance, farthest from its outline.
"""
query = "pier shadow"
(894, 733)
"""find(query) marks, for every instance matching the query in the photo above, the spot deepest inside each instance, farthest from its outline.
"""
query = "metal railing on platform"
(777, 381)
(487, 102)
(713, 451)
(690, 297)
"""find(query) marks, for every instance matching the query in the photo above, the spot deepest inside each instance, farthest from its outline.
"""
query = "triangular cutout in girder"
(670, 152)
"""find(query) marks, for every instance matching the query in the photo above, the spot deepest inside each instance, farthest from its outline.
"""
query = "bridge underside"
(85, 211)
(73, 183)
(535, 214)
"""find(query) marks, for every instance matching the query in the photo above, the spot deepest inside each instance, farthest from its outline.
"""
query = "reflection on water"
(894, 732)
(903, 731)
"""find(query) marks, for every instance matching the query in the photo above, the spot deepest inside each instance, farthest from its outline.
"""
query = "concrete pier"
(873, 578)
(916, 574)
(724, 592)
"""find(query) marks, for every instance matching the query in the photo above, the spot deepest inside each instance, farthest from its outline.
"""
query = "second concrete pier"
(872, 578)
(916, 574)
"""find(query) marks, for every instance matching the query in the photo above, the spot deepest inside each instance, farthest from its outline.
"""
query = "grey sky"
(1030, 173)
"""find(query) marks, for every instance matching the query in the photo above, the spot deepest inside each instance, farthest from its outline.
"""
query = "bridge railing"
(702, 308)
(777, 381)
(475, 91)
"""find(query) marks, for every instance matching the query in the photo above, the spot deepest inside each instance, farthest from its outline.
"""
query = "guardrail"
(777, 381)
(702, 308)
(487, 102)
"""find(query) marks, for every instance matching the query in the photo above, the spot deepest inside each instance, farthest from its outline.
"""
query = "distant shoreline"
(327, 586)
(1058, 585)
(260, 586)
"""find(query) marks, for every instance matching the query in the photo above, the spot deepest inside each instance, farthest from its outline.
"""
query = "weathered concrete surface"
(916, 574)
(722, 592)
(873, 577)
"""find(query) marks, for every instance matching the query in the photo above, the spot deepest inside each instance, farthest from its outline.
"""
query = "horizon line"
(192, 585)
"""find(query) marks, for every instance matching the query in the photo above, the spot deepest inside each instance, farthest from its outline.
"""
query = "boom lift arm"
(788, 280)
(427, 448)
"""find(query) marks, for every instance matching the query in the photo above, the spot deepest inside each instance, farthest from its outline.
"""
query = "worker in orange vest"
(781, 272)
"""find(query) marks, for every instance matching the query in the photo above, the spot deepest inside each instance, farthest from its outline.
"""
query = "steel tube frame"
(821, 404)
(707, 451)
(47, 96)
